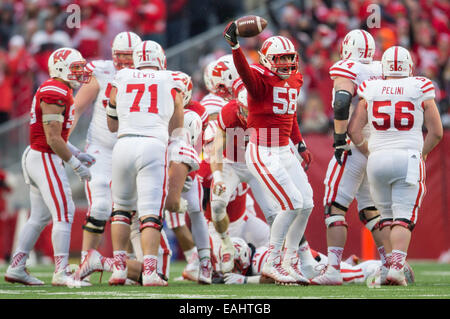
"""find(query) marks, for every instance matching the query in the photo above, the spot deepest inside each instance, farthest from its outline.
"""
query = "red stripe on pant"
(252, 157)
(61, 189)
(50, 184)
(277, 185)
(88, 189)
(165, 257)
(338, 179)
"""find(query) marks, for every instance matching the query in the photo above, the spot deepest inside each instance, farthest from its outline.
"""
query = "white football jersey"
(98, 132)
(357, 72)
(145, 102)
(395, 111)
(213, 103)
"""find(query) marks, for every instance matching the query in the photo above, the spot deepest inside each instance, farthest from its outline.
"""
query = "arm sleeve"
(296, 135)
(252, 81)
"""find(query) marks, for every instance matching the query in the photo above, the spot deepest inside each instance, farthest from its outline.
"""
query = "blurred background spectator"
(31, 29)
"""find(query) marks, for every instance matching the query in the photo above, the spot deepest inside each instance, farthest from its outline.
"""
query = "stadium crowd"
(31, 29)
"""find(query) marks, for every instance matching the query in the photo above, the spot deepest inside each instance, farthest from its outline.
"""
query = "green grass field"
(432, 282)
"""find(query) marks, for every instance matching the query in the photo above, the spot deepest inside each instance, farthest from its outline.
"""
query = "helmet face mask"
(79, 73)
(223, 74)
(278, 54)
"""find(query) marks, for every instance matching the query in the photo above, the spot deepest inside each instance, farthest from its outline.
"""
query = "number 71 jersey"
(145, 102)
(395, 111)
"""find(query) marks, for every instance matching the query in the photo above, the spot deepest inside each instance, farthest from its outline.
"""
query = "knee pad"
(218, 210)
(333, 220)
(371, 223)
(121, 217)
(93, 225)
(385, 222)
(152, 222)
(406, 223)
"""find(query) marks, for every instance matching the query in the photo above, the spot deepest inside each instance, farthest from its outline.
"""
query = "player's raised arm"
(432, 122)
(356, 125)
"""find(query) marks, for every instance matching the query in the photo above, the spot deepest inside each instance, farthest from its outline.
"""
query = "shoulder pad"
(344, 68)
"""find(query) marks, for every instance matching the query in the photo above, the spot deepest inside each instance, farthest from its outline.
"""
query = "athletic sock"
(335, 256)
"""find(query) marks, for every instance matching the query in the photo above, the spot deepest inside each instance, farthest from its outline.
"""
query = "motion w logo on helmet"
(217, 71)
(60, 55)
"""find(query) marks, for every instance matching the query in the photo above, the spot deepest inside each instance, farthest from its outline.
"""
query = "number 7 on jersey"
(139, 88)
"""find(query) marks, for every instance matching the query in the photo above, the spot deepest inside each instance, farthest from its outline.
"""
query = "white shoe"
(396, 277)
(65, 278)
(192, 269)
(119, 275)
(330, 277)
(21, 275)
(310, 270)
(205, 272)
(292, 266)
(90, 264)
(226, 255)
(153, 280)
(276, 271)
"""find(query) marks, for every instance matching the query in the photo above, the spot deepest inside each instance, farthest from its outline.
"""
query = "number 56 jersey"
(395, 111)
(145, 102)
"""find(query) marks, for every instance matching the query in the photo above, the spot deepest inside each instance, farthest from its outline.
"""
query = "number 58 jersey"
(395, 111)
(145, 102)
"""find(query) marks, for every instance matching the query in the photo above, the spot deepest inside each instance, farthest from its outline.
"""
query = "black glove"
(230, 33)
(340, 146)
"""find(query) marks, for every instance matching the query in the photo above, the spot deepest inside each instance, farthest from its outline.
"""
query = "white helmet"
(124, 43)
(207, 76)
(358, 45)
(242, 254)
(273, 50)
(69, 65)
(396, 61)
(149, 53)
(186, 84)
(193, 124)
(223, 75)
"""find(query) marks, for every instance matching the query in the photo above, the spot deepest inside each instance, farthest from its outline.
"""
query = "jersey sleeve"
(52, 94)
(119, 77)
(225, 118)
(250, 76)
(363, 90)
(426, 88)
(296, 135)
(344, 68)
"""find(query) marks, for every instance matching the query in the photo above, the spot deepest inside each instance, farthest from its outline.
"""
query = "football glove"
(230, 33)
(340, 146)
(234, 279)
(305, 154)
(81, 170)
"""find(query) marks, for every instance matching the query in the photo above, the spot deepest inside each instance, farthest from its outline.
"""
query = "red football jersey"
(51, 92)
(237, 140)
(272, 101)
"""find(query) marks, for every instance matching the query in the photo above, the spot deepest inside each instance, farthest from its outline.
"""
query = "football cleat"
(276, 271)
(153, 280)
(119, 275)
(65, 278)
(22, 276)
(292, 266)
(330, 277)
(90, 264)
(310, 270)
(396, 277)
(226, 255)
(191, 270)
(205, 272)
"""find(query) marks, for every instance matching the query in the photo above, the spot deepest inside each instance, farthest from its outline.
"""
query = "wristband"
(74, 162)
(73, 149)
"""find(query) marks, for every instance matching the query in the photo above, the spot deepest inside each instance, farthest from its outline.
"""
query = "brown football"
(249, 26)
